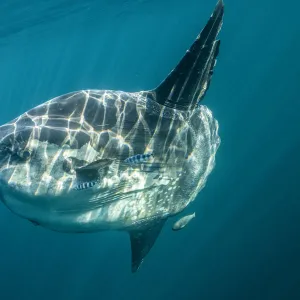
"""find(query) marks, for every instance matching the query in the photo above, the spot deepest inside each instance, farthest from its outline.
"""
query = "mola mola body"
(97, 160)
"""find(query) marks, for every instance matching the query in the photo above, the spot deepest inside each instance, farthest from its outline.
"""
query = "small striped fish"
(138, 159)
(84, 185)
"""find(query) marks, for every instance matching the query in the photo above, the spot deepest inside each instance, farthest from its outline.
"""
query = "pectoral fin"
(142, 241)
(90, 172)
(96, 165)
(71, 163)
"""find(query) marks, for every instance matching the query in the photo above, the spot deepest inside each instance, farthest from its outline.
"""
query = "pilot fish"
(181, 223)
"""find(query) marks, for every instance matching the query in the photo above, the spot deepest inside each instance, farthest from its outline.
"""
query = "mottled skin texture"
(95, 124)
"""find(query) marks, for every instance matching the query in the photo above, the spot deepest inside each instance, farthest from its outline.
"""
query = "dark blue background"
(244, 242)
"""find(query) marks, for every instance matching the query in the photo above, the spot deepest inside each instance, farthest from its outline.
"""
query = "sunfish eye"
(24, 154)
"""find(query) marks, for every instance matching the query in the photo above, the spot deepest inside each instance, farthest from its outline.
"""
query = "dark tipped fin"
(142, 241)
(186, 85)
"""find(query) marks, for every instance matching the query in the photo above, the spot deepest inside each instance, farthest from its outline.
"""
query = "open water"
(245, 240)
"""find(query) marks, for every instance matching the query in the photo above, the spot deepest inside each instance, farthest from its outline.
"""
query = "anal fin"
(142, 241)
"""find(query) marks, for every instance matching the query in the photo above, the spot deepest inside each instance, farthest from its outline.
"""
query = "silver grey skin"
(63, 163)
(181, 223)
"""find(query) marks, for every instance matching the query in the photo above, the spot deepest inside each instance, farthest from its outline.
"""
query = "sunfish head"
(31, 163)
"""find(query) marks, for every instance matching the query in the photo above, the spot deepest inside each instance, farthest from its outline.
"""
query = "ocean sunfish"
(95, 160)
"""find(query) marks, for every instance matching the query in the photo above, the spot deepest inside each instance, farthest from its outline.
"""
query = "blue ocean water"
(244, 242)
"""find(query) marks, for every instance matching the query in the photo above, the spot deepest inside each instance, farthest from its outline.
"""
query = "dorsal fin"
(142, 241)
(186, 85)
